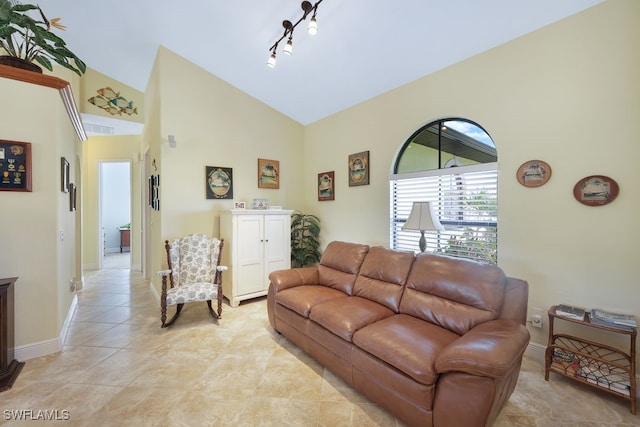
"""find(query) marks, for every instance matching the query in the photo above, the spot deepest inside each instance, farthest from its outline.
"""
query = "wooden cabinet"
(256, 242)
(125, 238)
(604, 367)
(9, 367)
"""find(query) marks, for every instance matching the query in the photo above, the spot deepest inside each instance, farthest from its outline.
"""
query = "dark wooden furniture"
(125, 238)
(601, 366)
(9, 367)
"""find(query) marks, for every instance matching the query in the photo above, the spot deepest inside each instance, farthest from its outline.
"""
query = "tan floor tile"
(119, 367)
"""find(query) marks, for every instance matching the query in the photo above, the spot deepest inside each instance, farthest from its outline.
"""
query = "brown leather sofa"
(437, 341)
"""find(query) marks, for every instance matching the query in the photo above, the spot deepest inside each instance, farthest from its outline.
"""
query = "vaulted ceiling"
(363, 48)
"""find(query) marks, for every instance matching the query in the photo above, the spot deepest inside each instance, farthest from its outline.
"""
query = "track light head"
(288, 48)
(271, 63)
(312, 29)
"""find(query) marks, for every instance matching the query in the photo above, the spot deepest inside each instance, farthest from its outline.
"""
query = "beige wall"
(215, 124)
(567, 94)
(110, 148)
(92, 81)
(31, 222)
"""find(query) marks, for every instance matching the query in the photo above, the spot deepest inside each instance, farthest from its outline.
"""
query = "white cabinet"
(256, 242)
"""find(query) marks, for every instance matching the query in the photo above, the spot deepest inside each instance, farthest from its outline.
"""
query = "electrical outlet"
(536, 317)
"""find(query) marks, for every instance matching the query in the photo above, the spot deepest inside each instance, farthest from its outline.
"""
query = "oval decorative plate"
(596, 190)
(533, 173)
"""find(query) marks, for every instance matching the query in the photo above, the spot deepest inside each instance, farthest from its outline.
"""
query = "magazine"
(627, 320)
(570, 311)
(613, 320)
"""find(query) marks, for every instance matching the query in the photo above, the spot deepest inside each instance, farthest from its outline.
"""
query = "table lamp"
(423, 218)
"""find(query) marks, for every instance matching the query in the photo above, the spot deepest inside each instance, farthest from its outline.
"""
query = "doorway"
(114, 214)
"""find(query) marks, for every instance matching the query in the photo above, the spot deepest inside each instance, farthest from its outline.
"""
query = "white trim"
(480, 167)
(154, 292)
(39, 349)
(67, 321)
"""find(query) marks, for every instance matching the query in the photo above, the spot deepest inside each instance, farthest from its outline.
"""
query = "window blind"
(465, 200)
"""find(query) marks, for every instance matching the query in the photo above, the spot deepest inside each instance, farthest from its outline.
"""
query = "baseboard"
(154, 292)
(537, 352)
(44, 348)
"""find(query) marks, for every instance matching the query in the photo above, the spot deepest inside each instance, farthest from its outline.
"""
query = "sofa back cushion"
(382, 276)
(340, 265)
(454, 293)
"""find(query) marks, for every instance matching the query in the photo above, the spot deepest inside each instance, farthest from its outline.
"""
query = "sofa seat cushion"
(406, 343)
(302, 298)
(344, 316)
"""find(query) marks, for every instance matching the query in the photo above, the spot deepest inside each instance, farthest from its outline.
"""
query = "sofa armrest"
(284, 279)
(491, 349)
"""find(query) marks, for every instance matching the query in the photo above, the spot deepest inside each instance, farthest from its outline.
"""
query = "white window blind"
(466, 202)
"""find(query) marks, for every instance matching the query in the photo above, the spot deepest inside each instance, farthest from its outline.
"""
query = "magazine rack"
(598, 365)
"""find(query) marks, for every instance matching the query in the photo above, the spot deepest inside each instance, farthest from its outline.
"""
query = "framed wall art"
(15, 166)
(260, 203)
(533, 173)
(596, 190)
(326, 186)
(219, 182)
(64, 175)
(359, 169)
(72, 197)
(268, 173)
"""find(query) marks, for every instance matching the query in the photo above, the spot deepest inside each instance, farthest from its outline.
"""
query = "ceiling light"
(313, 26)
(271, 63)
(307, 8)
(288, 49)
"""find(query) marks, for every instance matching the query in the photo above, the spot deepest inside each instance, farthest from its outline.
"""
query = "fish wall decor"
(111, 102)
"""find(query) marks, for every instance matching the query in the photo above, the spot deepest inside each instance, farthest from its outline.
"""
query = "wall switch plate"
(536, 317)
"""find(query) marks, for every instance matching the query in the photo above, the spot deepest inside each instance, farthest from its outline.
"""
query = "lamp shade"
(423, 218)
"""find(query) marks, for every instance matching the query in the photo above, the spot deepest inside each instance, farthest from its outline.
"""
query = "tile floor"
(119, 368)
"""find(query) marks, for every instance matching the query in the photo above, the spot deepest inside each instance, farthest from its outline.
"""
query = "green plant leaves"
(305, 243)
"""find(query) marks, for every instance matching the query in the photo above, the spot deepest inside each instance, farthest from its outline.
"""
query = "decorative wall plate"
(533, 173)
(596, 190)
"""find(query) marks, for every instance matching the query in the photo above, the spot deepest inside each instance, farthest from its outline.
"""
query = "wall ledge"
(53, 82)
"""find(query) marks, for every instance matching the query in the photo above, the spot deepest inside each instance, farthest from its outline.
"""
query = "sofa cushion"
(302, 298)
(340, 265)
(344, 316)
(454, 293)
(382, 275)
(406, 343)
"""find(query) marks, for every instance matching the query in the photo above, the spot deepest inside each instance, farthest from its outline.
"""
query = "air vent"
(93, 129)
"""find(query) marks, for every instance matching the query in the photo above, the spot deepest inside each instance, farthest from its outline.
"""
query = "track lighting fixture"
(307, 8)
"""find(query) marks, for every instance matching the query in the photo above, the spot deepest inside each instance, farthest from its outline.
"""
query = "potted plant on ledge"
(26, 39)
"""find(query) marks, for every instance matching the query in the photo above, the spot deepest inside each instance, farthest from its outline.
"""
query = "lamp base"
(422, 243)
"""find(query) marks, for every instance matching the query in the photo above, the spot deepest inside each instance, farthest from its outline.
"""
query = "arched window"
(451, 163)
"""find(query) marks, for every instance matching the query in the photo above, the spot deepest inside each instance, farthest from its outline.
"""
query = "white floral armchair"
(194, 273)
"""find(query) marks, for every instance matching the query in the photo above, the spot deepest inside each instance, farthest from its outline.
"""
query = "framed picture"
(260, 203)
(72, 197)
(64, 175)
(596, 190)
(268, 173)
(219, 182)
(238, 205)
(359, 169)
(15, 166)
(533, 173)
(326, 187)
(154, 192)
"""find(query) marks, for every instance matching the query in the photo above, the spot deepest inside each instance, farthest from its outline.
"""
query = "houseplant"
(305, 243)
(26, 38)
